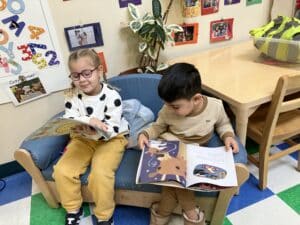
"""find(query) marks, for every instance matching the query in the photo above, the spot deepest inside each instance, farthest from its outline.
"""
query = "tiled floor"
(22, 204)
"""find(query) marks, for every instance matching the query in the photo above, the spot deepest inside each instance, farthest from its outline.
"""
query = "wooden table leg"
(241, 119)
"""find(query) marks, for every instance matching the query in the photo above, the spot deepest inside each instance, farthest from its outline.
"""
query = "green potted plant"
(153, 34)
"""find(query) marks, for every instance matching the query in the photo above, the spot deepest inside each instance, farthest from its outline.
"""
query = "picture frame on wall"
(231, 2)
(25, 89)
(124, 3)
(221, 30)
(189, 35)
(209, 6)
(84, 36)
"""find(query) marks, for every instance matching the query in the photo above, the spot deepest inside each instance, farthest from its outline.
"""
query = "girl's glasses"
(85, 73)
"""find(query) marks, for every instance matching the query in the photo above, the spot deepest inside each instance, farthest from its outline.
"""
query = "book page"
(210, 165)
(161, 162)
(61, 126)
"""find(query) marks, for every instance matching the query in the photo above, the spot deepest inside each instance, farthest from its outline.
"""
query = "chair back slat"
(285, 86)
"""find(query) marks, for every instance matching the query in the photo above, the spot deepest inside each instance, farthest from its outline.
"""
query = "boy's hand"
(143, 141)
(94, 122)
(230, 143)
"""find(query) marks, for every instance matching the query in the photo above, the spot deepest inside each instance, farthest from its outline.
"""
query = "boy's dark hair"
(179, 81)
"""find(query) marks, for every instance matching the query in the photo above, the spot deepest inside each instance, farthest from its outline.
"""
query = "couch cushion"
(125, 175)
(140, 86)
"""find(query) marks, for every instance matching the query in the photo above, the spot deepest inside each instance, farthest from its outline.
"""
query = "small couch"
(38, 157)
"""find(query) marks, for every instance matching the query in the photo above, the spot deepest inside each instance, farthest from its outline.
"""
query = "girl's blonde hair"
(74, 56)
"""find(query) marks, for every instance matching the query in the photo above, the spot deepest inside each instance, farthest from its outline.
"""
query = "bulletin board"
(29, 45)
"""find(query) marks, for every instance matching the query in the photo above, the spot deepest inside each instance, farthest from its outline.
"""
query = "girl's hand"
(143, 141)
(230, 143)
(94, 122)
(84, 130)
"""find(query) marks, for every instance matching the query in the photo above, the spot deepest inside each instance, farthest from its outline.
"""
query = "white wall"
(120, 52)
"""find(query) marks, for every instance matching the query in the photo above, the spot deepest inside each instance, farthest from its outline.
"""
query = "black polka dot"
(103, 121)
(89, 110)
(116, 129)
(128, 127)
(102, 97)
(102, 138)
(107, 117)
(105, 109)
(109, 87)
(79, 96)
(117, 102)
(71, 117)
(68, 105)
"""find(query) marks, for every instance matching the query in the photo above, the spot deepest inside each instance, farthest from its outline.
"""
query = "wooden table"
(237, 75)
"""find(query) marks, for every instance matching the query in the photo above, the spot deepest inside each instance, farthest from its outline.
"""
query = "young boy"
(190, 117)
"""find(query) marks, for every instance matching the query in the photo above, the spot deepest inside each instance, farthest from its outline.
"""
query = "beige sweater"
(193, 129)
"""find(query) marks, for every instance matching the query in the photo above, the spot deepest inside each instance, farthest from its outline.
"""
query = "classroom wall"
(120, 51)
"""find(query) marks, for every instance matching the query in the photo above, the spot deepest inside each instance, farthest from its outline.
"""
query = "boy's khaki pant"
(171, 196)
(104, 158)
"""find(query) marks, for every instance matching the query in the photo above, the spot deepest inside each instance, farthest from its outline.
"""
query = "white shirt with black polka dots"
(105, 106)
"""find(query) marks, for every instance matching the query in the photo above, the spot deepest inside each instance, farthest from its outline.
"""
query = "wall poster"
(28, 45)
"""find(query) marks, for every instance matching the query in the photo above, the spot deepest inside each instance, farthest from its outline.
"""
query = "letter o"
(5, 37)
(3, 5)
(16, 11)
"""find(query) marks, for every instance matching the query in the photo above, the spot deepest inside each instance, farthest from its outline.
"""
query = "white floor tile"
(271, 211)
(282, 173)
(16, 213)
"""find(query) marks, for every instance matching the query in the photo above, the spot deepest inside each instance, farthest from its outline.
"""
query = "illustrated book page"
(61, 126)
(172, 163)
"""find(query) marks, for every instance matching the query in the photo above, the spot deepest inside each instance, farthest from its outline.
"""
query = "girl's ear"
(100, 68)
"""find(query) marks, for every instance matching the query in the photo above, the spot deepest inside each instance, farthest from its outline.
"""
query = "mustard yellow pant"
(104, 158)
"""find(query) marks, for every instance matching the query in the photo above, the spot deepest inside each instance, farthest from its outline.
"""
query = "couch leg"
(24, 158)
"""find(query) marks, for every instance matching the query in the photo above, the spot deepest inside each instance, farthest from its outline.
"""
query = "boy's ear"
(197, 97)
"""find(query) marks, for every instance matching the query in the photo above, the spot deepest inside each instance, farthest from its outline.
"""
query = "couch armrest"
(44, 150)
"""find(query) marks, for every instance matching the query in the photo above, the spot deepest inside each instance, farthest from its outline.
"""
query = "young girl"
(97, 104)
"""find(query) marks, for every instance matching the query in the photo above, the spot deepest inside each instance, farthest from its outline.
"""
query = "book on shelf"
(61, 126)
(172, 163)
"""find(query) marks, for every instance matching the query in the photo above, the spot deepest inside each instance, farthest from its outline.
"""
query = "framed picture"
(25, 89)
(209, 6)
(124, 3)
(102, 60)
(85, 36)
(221, 30)
(252, 2)
(189, 35)
(191, 8)
(230, 2)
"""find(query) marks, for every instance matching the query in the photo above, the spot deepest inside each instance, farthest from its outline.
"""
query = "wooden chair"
(275, 122)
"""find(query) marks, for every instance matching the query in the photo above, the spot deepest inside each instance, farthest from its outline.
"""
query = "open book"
(172, 163)
(60, 126)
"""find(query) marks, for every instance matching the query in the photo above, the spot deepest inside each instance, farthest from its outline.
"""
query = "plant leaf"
(145, 29)
(175, 28)
(142, 46)
(156, 8)
(133, 10)
(162, 66)
(150, 68)
(135, 25)
(152, 53)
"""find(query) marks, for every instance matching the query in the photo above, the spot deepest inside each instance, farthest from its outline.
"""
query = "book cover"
(173, 163)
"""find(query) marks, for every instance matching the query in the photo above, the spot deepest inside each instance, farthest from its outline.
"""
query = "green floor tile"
(41, 213)
(291, 197)
(226, 222)
(251, 146)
